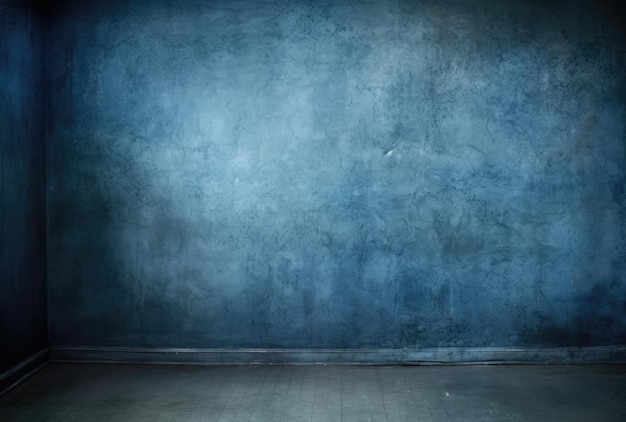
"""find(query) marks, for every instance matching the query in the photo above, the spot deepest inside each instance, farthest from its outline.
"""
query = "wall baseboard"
(426, 356)
(14, 376)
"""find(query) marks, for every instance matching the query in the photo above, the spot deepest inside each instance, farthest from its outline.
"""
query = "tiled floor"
(90, 392)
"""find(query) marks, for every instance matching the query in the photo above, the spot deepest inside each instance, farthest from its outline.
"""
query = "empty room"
(300, 210)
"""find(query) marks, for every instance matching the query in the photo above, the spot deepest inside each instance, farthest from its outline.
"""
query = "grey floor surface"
(97, 392)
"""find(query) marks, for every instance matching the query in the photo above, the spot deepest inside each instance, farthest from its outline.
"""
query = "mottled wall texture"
(23, 323)
(340, 174)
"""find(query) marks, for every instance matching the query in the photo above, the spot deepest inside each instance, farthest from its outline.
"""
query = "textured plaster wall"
(23, 323)
(336, 174)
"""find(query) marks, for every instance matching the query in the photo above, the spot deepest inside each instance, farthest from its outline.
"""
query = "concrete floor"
(95, 392)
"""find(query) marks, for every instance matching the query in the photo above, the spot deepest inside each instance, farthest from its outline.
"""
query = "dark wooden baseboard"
(14, 376)
(426, 356)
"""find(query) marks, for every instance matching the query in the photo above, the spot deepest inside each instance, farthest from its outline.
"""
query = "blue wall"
(23, 322)
(337, 174)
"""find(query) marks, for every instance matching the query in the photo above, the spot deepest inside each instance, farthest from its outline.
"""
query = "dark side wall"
(23, 297)
(340, 174)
